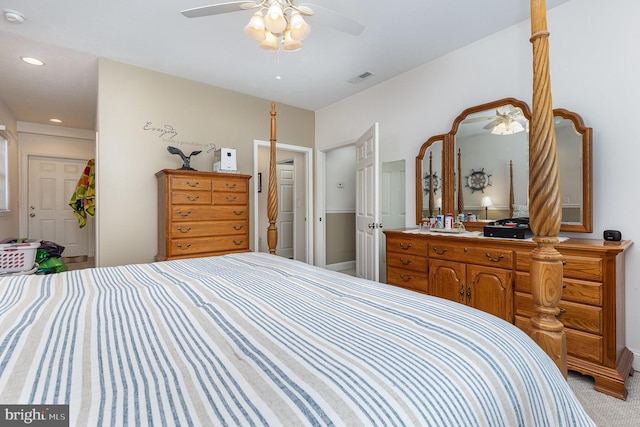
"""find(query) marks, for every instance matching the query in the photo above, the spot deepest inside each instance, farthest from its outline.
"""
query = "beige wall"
(9, 220)
(340, 235)
(134, 107)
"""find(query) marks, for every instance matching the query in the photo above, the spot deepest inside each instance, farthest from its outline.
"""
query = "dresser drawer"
(582, 345)
(573, 289)
(208, 228)
(408, 279)
(208, 213)
(196, 245)
(228, 198)
(407, 245)
(190, 183)
(186, 197)
(577, 267)
(230, 183)
(473, 255)
(572, 315)
(407, 261)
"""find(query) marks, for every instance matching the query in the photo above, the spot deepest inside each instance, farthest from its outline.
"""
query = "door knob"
(32, 215)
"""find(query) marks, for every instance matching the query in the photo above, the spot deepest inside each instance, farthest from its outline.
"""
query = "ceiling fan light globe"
(296, 20)
(300, 33)
(270, 41)
(255, 27)
(274, 20)
(290, 44)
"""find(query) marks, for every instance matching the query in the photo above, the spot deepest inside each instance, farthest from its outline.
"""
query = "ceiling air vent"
(361, 77)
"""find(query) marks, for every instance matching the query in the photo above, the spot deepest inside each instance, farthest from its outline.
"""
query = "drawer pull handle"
(564, 262)
(184, 248)
(193, 198)
(488, 255)
(405, 262)
(405, 247)
(183, 214)
(238, 212)
(468, 294)
(238, 227)
(564, 286)
(194, 184)
(230, 185)
(405, 278)
(188, 229)
(442, 252)
(231, 198)
(462, 292)
(237, 243)
(562, 311)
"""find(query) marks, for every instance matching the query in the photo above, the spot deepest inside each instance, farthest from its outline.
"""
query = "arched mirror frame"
(449, 203)
(420, 176)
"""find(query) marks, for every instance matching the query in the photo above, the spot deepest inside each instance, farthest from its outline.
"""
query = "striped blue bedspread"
(255, 339)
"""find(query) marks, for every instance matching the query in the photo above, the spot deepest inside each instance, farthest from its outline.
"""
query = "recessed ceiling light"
(55, 120)
(32, 61)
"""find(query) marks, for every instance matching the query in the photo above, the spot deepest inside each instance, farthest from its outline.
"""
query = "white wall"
(594, 71)
(9, 219)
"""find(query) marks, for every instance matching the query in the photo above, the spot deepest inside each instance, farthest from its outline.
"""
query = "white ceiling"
(69, 35)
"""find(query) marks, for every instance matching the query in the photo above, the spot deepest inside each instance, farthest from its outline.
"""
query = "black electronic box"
(509, 228)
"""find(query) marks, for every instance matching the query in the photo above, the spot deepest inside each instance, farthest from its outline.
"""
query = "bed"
(256, 339)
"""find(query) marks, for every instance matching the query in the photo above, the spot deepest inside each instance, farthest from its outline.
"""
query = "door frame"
(23, 191)
(308, 159)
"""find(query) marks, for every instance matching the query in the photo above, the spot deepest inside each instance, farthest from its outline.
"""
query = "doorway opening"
(295, 200)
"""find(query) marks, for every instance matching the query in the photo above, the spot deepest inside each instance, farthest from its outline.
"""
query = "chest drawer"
(186, 197)
(229, 198)
(407, 245)
(407, 261)
(578, 267)
(494, 257)
(573, 289)
(197, 245)
(190, 183)
(572, 315)
(208, 228)
(208, 213)
(413, 280)
(229, 183)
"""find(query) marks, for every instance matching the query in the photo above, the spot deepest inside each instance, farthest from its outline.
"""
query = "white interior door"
(286, 210)
(52, 182)
(368, 205)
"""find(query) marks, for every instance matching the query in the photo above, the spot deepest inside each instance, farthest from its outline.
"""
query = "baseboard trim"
(339, 266)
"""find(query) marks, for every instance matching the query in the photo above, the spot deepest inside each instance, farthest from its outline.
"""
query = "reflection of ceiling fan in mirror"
(279, 22)
(507, 121)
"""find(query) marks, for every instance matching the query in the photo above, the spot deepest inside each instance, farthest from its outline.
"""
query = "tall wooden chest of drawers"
(493, 275)
(202, 213)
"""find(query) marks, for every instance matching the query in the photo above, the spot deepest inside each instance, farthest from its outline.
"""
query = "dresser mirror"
(485, 166)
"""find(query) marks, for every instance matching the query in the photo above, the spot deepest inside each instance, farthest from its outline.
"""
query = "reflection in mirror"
(492, 164)
(429, 179)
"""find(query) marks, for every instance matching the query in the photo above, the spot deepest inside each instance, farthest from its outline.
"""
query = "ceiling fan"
(506, 121)
(279, 19)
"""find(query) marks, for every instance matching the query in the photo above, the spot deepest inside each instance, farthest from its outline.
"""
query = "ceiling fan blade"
(217, 9)
(477, 119)
(329, 18)
(492, 124)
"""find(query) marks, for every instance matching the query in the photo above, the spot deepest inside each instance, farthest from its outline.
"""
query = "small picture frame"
(259, 182)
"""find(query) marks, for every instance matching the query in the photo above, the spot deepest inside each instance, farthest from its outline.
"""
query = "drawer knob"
(193, 184)
(183, 214)
(238, 212)
(186, 230)
(228, 185)
(405, 278)
(405, 262)
(488, 255)
(405, 247)
(442, 252)
(185, 247)
(238, 227)
(562, 311)
(231, 198)
(192, 198)
(238, 242)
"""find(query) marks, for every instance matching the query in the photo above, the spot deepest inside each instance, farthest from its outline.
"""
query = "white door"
(286, 210)
(393, 203)
(368, 205)
(52, 182)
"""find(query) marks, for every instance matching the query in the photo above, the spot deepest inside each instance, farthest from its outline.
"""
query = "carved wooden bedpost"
(545, 200)
(272, 196)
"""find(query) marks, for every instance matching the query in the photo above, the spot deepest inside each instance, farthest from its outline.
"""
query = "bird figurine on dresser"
(186, 160)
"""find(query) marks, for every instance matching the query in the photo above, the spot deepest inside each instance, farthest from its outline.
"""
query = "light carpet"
(607, 411)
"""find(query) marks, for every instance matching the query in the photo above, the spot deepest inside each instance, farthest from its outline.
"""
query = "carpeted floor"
(605, 410)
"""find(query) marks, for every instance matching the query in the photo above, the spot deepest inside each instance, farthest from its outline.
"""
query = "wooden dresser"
(493, 275)
(202, 213)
